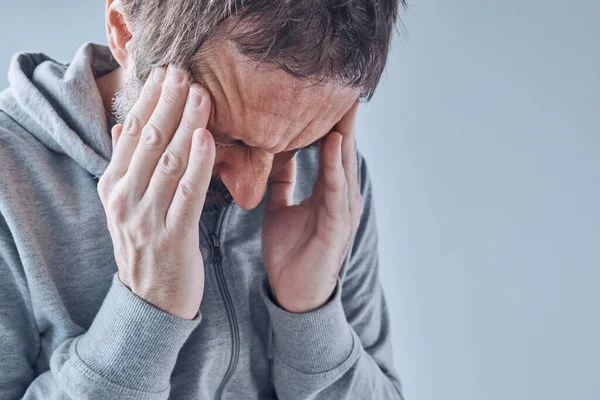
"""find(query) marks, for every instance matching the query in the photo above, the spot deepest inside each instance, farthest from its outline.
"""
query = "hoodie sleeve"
(342, 350)
(128, 352)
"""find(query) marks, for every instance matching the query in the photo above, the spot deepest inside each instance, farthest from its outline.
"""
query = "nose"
(245, 173)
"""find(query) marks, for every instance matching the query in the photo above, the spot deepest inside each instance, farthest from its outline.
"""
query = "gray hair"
(345, 41)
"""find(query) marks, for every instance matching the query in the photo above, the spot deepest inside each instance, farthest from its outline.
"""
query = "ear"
(117, 31)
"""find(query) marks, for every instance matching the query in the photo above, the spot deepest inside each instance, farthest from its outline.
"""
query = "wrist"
(300, 305)
(311, 342)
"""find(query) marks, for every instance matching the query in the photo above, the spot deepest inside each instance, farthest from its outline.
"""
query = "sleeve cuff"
(132, 343)
(312, 342)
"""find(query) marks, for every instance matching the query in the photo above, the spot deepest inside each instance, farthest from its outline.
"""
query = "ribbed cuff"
(312, 342)
(132, 343)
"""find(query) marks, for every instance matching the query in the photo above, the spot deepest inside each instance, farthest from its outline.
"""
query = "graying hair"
(317, 40)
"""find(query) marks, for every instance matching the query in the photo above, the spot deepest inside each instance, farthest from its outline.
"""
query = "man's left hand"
(305, 245)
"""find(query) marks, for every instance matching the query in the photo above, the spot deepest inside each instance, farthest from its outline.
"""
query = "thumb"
(346, 125)
(281, 187)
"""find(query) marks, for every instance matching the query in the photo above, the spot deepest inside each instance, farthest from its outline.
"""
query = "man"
(184, 214)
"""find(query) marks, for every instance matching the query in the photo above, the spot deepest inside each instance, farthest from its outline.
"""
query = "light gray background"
(483, 143)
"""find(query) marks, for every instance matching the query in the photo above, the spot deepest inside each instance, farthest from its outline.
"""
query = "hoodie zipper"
(217, 259)
(270, 350)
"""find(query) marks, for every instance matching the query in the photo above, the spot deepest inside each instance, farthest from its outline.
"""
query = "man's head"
(281, 74)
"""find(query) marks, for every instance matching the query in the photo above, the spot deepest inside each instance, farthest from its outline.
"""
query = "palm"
(304, 245)
(292, 248)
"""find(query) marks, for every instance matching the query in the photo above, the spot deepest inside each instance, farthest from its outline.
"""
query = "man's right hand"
(154, 189)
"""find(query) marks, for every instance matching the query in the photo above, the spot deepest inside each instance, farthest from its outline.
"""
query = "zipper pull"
(216, 245)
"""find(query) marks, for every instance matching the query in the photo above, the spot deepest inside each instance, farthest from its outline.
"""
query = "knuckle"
(103, 186)
(333, 186)
(187, 190)
(116, 206)
(132, 124)
(171, 162)
(106, 184)
(338, 185)
(151, 136)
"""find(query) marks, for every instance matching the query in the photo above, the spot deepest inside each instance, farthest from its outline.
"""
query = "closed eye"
(224, 144)
(313, 146)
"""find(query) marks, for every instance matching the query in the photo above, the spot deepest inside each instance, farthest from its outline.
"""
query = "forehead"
(266, 107)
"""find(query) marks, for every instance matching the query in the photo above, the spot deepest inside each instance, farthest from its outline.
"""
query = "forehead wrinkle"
(270, 112)
(209, 78)
(268, 108)
(312, 131)
(268, 131)
(301, 139)
(290, 119)
(225, 71)
(302, 128)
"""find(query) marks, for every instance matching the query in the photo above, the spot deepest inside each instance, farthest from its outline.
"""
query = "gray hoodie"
(69, 329)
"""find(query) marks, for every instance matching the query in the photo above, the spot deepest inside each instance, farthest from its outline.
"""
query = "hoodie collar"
(60, 104)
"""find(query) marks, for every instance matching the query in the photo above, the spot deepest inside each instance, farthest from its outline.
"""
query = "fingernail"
(175, 76)
(195, 98)
(159, 75)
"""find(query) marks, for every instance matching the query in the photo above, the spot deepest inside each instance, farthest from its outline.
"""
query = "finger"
(348, 122)
(281, 187)
(350, 162)
(346, 126)
(115, 132)
(174, 160)
(335, 188)
(136, 119)
(186, 207)
(157, 133)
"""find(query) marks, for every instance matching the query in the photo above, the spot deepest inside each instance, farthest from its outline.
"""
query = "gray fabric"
(70, 330)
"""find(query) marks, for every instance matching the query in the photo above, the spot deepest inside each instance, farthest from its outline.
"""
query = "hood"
(60, 105)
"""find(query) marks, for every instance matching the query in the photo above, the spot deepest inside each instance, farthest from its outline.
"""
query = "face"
(260, 118)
